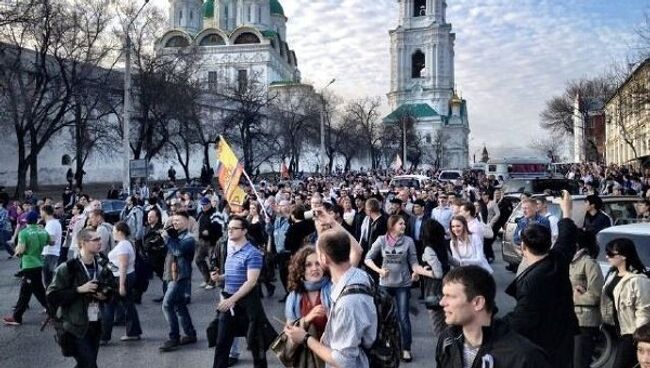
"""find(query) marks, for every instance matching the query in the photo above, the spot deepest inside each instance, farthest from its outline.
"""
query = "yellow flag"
(229, 173)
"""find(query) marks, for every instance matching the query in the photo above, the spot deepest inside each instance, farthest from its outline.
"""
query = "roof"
(417, 110)
(276, 7)
(208, 9)
(645, 63)
(630, 229)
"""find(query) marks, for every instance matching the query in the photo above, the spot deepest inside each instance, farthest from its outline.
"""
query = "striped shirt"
(238, 262)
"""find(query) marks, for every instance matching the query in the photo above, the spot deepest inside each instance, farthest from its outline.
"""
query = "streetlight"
(126, 180)
(322, 127)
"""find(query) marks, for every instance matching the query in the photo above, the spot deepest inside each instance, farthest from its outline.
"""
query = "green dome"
(208, 9)
(276, 7)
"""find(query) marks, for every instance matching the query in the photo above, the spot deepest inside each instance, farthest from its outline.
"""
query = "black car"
(112, 209)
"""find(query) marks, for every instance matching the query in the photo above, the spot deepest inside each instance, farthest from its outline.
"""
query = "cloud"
(511, 56)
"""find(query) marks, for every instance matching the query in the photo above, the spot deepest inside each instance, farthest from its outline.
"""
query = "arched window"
(419, 8)
(246, 38)
(212, 40)
(66, 160)
(417, 64)
(177, 41)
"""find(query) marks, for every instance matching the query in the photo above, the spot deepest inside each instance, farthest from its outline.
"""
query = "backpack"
(385, 352)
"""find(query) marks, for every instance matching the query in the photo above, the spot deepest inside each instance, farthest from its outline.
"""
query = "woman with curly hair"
(308, 302)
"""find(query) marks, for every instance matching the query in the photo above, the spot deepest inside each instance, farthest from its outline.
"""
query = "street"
(26, 346)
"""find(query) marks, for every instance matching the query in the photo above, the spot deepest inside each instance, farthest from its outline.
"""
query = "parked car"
(620, 208)
(539, 185)
(112, 209)
(449, 175)
(410, 181)
(639, 233)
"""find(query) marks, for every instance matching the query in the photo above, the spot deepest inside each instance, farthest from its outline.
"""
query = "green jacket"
(71, 307)
(35, 239)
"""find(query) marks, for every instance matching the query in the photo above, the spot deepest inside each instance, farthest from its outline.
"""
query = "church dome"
(208, 9)
(276, 7)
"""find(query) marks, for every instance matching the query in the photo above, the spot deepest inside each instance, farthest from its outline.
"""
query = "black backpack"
(385, 352)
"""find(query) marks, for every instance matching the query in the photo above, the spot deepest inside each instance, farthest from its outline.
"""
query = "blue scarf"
(315, 285)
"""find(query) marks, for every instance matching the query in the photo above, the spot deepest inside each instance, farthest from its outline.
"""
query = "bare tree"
(296, 112)
(35, 96)
(550, 146)
(438, 149)
(365, 113)
(559, 112)
(246, 122)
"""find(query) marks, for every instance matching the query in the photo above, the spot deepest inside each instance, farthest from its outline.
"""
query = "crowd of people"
(328, 240)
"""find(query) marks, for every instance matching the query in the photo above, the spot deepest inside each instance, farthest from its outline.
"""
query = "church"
(236, 40)
(422, 83)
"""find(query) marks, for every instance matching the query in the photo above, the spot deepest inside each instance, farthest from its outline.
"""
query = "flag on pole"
(228, 173)
(397, 163)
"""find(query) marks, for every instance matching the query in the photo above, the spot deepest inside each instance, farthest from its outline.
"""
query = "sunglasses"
(610, 254)
(94, 239)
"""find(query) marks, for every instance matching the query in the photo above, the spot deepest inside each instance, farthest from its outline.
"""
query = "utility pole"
(322, 129)
(126, 146)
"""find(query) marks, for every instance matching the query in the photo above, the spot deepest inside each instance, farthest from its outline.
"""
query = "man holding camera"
(178, 275)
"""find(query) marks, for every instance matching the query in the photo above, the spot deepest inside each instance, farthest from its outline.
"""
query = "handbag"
(284, 348)
(432, 293)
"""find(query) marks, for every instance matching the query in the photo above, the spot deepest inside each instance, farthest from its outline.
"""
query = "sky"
(511, 55)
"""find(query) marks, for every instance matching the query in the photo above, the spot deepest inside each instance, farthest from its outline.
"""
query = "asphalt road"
(26, 346)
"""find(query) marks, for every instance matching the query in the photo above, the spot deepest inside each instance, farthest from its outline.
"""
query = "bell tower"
(422, 55)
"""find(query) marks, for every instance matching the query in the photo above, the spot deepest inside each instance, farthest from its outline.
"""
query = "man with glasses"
(240, 297)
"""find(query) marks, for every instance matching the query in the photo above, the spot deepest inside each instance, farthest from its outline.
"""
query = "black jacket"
(208, 223)
(505, 347)
(544, 312)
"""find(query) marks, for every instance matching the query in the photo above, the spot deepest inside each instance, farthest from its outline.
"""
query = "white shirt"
(124, 247)
(553, 221)
(53, 227)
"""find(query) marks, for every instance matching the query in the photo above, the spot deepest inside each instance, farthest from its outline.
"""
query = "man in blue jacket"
(178, 275)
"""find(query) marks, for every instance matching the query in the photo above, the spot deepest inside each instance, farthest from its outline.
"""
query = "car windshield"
(405, 182)
(540, 185)
(449, 175)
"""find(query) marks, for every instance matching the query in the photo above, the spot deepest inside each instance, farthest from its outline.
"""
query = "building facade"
(422, 79)
(236, 39)
(627, 115)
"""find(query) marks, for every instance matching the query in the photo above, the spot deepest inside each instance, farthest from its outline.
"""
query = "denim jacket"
(181, 251)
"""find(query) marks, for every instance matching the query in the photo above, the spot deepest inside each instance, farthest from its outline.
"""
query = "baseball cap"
(205, 201)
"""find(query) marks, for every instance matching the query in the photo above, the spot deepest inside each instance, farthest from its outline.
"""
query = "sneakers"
(209, 286)
(186, 340)
(406, 356)
(203, 284)
(130, 338)
(10, 321)
(169, 345)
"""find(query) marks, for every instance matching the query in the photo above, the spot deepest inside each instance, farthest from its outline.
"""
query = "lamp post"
(126, 179)
(322, 128)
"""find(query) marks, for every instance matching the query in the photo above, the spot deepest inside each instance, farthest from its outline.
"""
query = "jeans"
(108, 312)
(203, 251)
(584, 347)
(402, 296)
(4, 237)
(31, 283)
(86, 348)
(174, 307)
(49, 266)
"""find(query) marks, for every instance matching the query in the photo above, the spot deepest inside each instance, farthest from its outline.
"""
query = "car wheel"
(604, 350)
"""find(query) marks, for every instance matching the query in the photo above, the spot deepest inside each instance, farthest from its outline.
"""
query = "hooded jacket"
(631, 300)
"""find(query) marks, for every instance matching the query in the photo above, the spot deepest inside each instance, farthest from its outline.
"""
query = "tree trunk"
(33, 172)
(79, 139)
(206, 151)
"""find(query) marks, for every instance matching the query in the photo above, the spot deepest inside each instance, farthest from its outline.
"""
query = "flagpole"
(255, 192)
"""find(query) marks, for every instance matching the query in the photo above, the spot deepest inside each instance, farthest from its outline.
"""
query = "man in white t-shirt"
(51, 252)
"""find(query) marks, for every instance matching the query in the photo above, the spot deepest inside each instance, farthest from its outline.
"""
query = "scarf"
(315, 285)
(390, 241)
